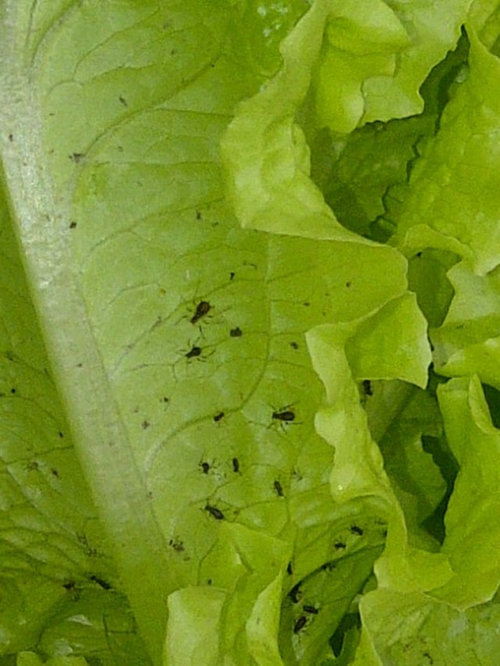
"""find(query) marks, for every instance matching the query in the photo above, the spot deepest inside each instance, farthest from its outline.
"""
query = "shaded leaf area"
(54, 554)
(363, 174)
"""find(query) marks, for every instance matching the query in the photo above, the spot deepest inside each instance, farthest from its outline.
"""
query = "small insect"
(201, 310)
(286, 415)
(218, 417)
(236, 465)
(294, 345)
(367, 387)
(99, 581)
(69, 585)
(214, 512)
(339, 545)
(236, 332)
(300, 624)
(278, 488)
(289, 569)
(356, 530)
(194, 352)
(177, 545)
(310, 609)
(295, 593)
(205, 467)
(329, 566)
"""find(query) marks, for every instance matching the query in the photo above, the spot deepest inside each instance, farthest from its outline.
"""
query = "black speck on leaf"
(310, 609)
(214, 512)
(289, 569)
(367, 387)
(145, 425)
(294, 345)
(99, 581)
(285, 415)
(193, 352)
(201, 310)
(76, 157)
(339, 545)
(72, 225)
(356, 530)
(300, 624)
(236, 332)
(123, 100)
(236, 465)
(205, 467)
(218, 417)
(295, 593)
(278, 488)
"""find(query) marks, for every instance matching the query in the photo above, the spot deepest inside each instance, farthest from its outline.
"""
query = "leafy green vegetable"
(249, 333)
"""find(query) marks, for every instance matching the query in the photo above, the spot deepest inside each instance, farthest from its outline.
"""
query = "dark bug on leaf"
(310, 609)
(201, 310)
(300, 624)
(339, 545)
(295, 593)
(194, 352)
(218, 417)
(285, 415)
(205, 467)
(289, 569)
(367, 387)
(356, 530)
(99, 581)
(236, 465)
(236, 332)
(278, 488)
(214, 512)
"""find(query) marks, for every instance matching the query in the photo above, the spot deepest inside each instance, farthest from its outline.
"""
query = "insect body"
(201, 310)
(193, 352)
(214, 512)
(300, 624)
(285, 415)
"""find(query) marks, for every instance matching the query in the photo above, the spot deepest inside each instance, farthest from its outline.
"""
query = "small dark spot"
(72, 225)
(214, 512)
(193, 352)
(173, 52)
(348, 284)
(70, 585)
(356, 530)
(295, 593)
(13, 390)
(79, 365)
(177, 545)
(306, 304)
(300, 624)
(61, 435)
(76, 157)
(212, 64)
(165, 399)
(278, 488)
(218, 417)
(201, 310)
(310, 609)
(55, 472)
(289, 569)
(101, 582)
(236, 332)
(419, 254)
(198, 215)
(205, 467)
(236, 465)
(428, 657)
(339, 545)
(294, 345)
(209, 581)
(123, 100)
(11, 138)
(285, 415)
(145, 425)
(384, 533)
(231, 275)
(367, 387)
(329, 566)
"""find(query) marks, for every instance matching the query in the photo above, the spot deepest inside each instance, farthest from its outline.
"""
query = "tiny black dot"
(13, 390)
(294, 345)
(236, 332)
(218, 416)
(145, 425)
(231, 275)
(61, 435)
(72, 225)
(339, 545)
(347, 284)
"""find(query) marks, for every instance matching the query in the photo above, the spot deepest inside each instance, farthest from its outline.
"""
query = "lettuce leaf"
(237, 426)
